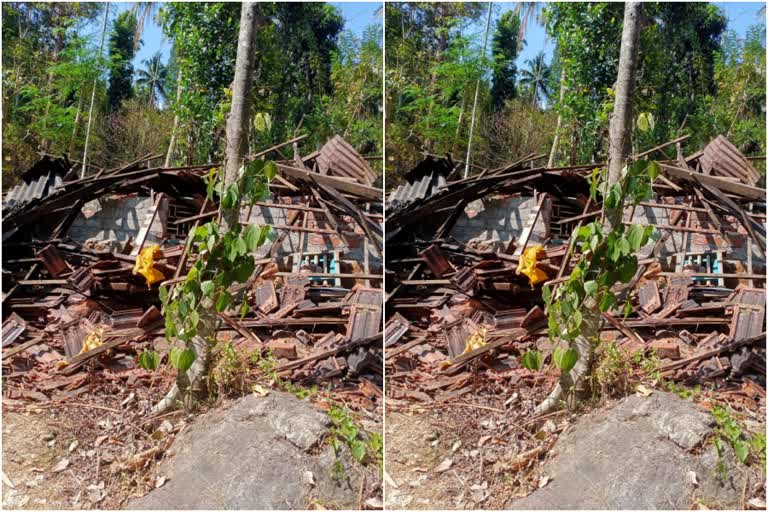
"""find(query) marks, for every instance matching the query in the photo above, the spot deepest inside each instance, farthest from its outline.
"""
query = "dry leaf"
(160, 481)
(260, 390)
(60, 466)
(643, 390)
(544, 480)
(444, 466)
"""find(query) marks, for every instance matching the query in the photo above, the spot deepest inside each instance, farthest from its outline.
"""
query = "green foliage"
(224, 257)
(612, 371)
(363, 447)
(565, 358)
(535, 78)
(230, 371)
(532, 360)
(121, 51)
(504, 50)
(153, 79)
(729, 430)
(431, 72)
(312, 79)
(149, 360)
(606, 257)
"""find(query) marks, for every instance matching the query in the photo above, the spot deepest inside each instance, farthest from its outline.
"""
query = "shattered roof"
(39, 181)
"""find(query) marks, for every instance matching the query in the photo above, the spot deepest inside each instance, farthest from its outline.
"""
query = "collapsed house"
(459, 297)
(75, 307)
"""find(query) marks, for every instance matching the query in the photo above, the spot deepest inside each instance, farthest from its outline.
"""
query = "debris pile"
(84, 258)
(467, 260)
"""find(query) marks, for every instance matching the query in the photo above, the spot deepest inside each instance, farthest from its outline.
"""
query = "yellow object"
(145, 264)
(93, 340)
(476, 340)
(528, 262)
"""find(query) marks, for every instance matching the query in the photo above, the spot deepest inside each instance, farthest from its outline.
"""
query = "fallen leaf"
(260, 390)
(544, 480)
(444, 466)
(456, 446)
(374, 503)
(309, 477)
(60, 466)
(643, 390)
(73, 446)
(692, 478)
(160, 481)
(758, 503)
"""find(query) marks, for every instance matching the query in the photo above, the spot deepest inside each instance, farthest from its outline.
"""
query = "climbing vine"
(224, 257)
(607, 256)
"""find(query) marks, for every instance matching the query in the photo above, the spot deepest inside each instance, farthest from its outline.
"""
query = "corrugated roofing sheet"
(722, 158)
(338, 158)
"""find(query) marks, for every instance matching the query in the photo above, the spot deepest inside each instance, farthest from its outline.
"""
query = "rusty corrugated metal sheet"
(338, 158)
(364, 314)
(722, 158)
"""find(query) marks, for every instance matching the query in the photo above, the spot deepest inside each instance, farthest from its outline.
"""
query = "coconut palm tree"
(536, 78)
(526, 11)
(143, 12)
(153, 78)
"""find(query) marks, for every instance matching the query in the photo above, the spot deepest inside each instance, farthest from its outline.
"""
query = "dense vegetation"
(312, 77)
(695, 77)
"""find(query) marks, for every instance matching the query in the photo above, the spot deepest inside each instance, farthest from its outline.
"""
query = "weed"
(683, 392)
(346, 431)
(230, 371)
(612, 371)
(729, 430)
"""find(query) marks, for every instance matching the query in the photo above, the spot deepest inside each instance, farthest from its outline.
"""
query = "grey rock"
(637, 455)
(256, 454)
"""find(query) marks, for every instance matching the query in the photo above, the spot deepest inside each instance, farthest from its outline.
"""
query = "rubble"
(70, 270)
(465, 256)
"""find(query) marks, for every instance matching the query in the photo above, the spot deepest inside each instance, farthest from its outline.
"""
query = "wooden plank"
(331, 352)
(353, 188)
(733, 187)
(10, 352)
(714, 352)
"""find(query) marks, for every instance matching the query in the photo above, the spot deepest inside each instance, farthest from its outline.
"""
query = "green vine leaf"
(532, 360)
(565, 359)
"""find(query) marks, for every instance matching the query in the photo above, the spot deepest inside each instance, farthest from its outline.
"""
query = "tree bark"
(172, 143)
(556, 141)
(240, 113)
(93, 93)
(477, 90)
(574, 381)
(621, 121)
(193, 380)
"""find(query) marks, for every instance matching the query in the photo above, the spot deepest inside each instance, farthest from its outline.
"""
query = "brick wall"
(117, 219)
(491, 222)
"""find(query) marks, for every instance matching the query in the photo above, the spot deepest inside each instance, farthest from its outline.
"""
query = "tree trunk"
(556, 141)
(477, 90)
(172, 143)
(240, 113)
(621, 122)
(93, 93)
(237, 144)
(574, 380)
(77, 125)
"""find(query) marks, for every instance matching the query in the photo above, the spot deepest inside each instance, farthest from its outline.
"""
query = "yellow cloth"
(527, 265)
(93, 340)
(476, 340)
(145, 264)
